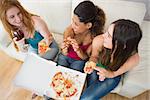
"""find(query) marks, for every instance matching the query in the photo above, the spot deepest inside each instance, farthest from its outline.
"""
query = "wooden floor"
(8, 69)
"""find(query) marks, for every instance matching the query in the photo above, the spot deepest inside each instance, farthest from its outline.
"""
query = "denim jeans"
(49, 55)
(96, 89)
(70, 62)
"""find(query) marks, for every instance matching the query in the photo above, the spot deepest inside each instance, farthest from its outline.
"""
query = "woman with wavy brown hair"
(87, 22)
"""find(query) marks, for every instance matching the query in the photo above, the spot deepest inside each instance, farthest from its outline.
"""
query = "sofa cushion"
(58, 38)
(4, 37)
(56, 13)
(117, 9)
(11, 51)
(137, 80)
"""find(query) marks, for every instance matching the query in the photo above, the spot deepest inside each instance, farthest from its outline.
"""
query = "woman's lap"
(70, 63)
(49, 55)
(98, 89)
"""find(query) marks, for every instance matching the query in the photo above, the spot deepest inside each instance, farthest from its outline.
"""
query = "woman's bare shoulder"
(98, 42)
(39, 23)
(98, 38)
(37, 19)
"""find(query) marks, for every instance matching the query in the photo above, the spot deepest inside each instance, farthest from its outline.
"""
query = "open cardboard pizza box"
(45, 78)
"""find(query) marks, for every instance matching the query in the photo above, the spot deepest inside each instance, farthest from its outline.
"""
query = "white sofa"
(57, 15)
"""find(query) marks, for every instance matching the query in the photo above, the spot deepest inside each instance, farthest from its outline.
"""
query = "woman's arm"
(65, 45)
(42, 28)
(128, 65)
(96, 48)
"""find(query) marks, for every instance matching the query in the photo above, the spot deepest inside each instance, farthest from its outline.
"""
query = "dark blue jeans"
(97, 89)
(70, 63)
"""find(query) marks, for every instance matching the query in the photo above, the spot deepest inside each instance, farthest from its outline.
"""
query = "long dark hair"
(126, 37)
(88, 12)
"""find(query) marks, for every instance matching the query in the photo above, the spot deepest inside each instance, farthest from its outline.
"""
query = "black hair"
(88, 12)
(126, 37)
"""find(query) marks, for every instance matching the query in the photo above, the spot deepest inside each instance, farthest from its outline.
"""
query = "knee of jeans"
(61, 58)
(87, 98)
(54, 51)
(54, 44)
(113, 81)
(50, 55)
(77, 66)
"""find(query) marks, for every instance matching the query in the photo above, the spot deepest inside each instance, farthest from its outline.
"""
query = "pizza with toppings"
(43, 47)
(89, 66)
(63, 86)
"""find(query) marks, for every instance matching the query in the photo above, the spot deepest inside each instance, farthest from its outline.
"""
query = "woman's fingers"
(101, 76)
(64, 45)
(101, 72)
(15, 39)
(97, 68)
(20, 42)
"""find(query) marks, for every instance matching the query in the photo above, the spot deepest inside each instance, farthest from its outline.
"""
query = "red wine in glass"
(19, 34)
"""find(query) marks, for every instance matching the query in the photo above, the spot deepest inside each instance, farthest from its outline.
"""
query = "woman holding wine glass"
(24, 27)
(27, 28)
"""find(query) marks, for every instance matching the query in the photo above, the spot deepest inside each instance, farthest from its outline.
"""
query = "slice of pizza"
(43, 47)
(89, 66)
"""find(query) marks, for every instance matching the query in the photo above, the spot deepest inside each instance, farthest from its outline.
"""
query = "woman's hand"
(75, 45)
(73, 42)
(20, 44)
(64, 48)
(103, 73)
(49, 38)
(89, 66)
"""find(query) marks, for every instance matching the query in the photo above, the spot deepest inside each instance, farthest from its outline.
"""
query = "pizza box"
(39, 75)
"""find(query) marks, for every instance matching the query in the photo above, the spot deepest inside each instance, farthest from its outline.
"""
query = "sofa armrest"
(137, 81)
(4, 37)
(58, 38)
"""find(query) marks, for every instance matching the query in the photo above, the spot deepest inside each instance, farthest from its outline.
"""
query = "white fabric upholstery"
(117, 9)
(4, 37)
(56, 13)
(137, 80)
(10, 50)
